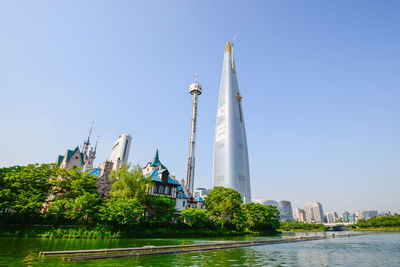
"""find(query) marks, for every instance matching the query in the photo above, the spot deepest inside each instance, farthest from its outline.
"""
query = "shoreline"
(81, 233)
(377, 229)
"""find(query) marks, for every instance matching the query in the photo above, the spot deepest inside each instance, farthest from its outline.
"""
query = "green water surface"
(368, 249)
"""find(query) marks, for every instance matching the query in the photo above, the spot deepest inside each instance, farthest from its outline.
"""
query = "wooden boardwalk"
(93, 254)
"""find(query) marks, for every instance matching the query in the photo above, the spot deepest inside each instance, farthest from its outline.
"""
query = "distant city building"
(331, 217)
(366, 214)
(301, 215)
(267, 202)
(285, 209)
(348, 218)
(201, 192)
(345, 216)
(314, 212)
(385, 213)
(120, 151)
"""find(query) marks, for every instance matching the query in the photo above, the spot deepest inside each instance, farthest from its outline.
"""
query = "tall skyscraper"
(231, 162)
(314, 212)
(195, 91)
(120, 151)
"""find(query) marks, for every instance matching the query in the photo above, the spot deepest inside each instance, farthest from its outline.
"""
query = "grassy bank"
(73, 232)
(377, 229)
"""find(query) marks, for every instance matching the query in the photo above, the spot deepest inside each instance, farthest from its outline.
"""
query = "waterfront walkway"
(93, 254)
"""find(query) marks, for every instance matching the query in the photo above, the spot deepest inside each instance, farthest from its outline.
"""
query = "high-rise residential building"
(267, 202)
(331, 217)
(301, 215)
(120, 151)
(314, 212)
(348, 218)
(366, 214)
(201, 192)
(345, 216)
(231, 162)
(285, 209)
(385, 213)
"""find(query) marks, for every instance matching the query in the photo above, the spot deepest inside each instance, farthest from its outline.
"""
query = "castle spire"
(87, 142)
(95, 147)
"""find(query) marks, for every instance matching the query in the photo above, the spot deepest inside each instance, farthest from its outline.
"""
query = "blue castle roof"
(94, 172)
(180, 189)
(155, 178)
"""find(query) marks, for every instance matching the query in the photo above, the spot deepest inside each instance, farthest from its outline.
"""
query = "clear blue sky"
(320, 81)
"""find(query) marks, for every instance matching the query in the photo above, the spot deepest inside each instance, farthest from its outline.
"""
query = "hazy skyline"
(320, 85)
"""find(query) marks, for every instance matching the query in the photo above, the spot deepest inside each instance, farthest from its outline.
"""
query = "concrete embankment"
(93, 254)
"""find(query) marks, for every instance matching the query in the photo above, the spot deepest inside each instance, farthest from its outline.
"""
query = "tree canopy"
(260, 217)
(130, 183)
(224, 204)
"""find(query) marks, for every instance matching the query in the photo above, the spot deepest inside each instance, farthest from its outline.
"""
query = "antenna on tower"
(196, 76)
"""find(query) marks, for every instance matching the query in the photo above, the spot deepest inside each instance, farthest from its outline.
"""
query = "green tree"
(121, 212)
(26, 189)
(160, 208)
(6, 189)
(260, 217)
(130, 183)
(74, 196)
(224, 204)
(196, 218)
(296, 225)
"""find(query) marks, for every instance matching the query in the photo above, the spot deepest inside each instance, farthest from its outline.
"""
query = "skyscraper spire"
(231, 163)
(195, 91)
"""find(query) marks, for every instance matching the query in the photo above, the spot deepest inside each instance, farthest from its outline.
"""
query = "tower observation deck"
(195, 91)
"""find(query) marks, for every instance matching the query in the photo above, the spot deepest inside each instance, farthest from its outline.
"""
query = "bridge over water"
(339, 226)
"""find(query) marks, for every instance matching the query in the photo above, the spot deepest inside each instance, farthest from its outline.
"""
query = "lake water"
(367, 249)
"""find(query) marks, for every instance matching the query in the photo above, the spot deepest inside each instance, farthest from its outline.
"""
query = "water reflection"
(365, 250)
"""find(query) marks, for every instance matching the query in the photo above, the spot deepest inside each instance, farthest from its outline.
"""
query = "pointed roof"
(70, 154)
(59, 159)
(156, 161)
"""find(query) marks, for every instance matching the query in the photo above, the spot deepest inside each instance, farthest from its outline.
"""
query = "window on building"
(184, 203)
(167, 190)
(155, 189)
(161, 189)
